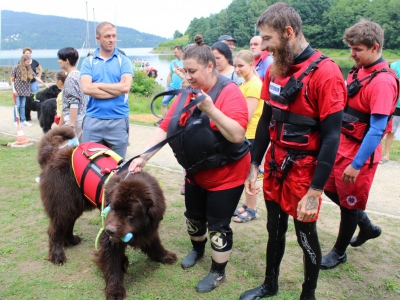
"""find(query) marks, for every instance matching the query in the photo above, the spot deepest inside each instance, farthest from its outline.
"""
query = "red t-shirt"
(376, 97)
(232, 103)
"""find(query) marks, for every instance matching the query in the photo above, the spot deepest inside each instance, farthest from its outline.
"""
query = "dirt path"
(384, 196)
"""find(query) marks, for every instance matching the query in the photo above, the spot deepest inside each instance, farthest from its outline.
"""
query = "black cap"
(226, 38)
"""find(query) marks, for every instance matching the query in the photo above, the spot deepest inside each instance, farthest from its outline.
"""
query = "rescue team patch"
(351, 200)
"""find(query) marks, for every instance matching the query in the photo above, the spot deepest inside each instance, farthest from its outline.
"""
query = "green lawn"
(371, 271)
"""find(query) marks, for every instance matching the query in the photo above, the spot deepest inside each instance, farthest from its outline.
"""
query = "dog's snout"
(111, 229)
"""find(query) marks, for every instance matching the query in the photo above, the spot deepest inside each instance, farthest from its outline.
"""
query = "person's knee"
(221, 241)
(221, 236)
(196, 227)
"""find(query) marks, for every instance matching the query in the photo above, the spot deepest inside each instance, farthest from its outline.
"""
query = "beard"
(283, 59)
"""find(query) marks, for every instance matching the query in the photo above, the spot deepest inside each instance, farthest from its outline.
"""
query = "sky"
(158, 17)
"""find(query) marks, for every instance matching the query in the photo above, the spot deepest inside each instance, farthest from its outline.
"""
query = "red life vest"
(92, 163)
(294, 124)
(356, 117)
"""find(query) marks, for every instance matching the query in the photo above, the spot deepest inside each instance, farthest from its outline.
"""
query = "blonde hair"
(247, 57)
(26, 71)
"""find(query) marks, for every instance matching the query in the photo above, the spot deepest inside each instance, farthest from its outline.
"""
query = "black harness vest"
(199, 147)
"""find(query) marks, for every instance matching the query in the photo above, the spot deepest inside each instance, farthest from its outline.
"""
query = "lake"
(48, 59)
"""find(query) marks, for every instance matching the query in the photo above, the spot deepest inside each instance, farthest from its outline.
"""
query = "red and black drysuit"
(303, 130)
(367, 114)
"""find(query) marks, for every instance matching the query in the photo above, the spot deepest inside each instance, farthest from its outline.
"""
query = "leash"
(184, 92)
(104, 212)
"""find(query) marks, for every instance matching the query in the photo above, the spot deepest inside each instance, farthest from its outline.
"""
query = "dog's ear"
(110, 187)
(155, 211)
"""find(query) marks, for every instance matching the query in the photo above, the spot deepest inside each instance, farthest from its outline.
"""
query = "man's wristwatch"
(72, 126)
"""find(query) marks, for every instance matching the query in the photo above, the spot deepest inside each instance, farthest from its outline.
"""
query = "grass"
(372, 271)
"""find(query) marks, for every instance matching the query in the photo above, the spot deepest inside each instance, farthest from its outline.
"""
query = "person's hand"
(307, 208)
(350, 174)
(250, 183)
(207, 104)
(46, 85)
(137, 165)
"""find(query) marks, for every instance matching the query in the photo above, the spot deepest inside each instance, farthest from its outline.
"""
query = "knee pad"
(221, 241)
(196, 228)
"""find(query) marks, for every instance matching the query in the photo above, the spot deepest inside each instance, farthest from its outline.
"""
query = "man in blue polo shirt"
(107, 78)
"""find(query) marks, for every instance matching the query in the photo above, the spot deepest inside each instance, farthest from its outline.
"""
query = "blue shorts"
(167, 99)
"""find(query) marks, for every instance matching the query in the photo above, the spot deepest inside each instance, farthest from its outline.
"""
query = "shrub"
(142, 84)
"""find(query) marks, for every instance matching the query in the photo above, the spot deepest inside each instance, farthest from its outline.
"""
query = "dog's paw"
(58, 260)
(169, 258)
(72, 241)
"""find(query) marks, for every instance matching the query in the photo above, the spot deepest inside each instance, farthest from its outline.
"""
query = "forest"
(324, 21)
(20, 29)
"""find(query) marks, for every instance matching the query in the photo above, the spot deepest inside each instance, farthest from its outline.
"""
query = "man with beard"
(304, 93)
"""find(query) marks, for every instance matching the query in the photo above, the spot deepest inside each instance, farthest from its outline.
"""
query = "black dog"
(34, 104)
(48, 110)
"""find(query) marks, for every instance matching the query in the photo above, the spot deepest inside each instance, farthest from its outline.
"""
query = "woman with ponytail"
(215, 154)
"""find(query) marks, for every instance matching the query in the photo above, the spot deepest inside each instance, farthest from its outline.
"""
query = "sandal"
(383, 161)
(238, 212)
(251, 215)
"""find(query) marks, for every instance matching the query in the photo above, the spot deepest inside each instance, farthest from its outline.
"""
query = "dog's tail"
(52, 141)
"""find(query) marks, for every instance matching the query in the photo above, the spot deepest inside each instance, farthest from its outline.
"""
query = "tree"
(177, 34)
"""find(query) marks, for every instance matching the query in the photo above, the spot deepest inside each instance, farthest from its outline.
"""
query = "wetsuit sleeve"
(262, 138)
(330, 138)
(371, 140)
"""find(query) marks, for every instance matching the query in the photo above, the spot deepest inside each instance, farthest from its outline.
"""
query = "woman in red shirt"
(213, 150)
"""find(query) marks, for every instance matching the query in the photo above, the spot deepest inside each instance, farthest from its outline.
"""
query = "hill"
(20, 29)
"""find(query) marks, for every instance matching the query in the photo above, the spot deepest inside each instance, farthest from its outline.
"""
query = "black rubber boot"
(367, 230)
(268, 289)
(213, 279)
(194, 255)
(333, 259)
(308, 295)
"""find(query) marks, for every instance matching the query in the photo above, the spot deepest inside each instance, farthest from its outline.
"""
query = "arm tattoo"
(312, 203)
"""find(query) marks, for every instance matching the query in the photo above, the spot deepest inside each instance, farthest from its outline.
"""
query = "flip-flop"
(383, 161)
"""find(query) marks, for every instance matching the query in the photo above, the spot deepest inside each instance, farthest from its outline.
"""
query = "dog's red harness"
(92, 163)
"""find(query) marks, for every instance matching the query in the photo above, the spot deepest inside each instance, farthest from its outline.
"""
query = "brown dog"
(137, 207)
